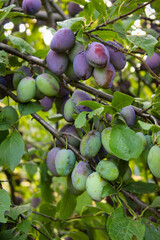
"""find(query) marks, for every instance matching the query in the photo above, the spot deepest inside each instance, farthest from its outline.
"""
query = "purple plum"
(50, 160)
(31, 6)
(129, 115)
(79, 96)
(73, 9)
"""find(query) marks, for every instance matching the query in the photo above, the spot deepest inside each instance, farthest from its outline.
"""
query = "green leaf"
(7, 234)
(29, 108)
(5, 11)
(100, 6)
(121, 100)
(67, 205)
(81, 120)
(11, 150)
(149, 126)
(24, 226)
(83, 200)
(4, 204)
(3, 135)
(140, 187)
(31, 169)
(68, 23)
(152, 231)
(105, 207)
(81, 2)
(47, 209)
(108, 190)
(147, 43)
(23, 45)
(156, 202)
(123, 228)
(124, 143)
(91, 104)
(96, 112)
(17, 210)
(3, 57)
(115, 7)
(78, 235)
(56, 117)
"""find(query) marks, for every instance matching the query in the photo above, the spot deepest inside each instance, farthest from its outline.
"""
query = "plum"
(39, 95)
(104, 76)
(142, 137)
(73, 9)
(46, 103)
(79, 96)
(81, 66)
(90, 144)
(26, 89)
(65, 161)
(63, 92)
(62, 40)
(105, 137)
(108, 170)
(117, 58)
(75, 50)
(68, 110)
(79, 175)
(154, 61)
(31, 7)
(9, 80)
(47, 84)
(154, 160)
(94, 186)
(70, 73)
(50, 160)
(20, 74)
(97, 55)
(57, 62)
(129, 115)
(71, 187)
(10, 115)
(4, 83)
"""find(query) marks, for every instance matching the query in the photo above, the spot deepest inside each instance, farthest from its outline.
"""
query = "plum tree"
(108, 170)
(79, 175)
(73, 9)
(62, 40)
(77, 97)
(64, 162)
(90, 144)
(26, 89)
(57, 62)
(104, 76)
(97, 55)
(50, 160)
(47, 84)
(154, 160)
(46, 103)
(31, 7)
(75, 50)
(129, 115)
(94, 186)
(81, 66)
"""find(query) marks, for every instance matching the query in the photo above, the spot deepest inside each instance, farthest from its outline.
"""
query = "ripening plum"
(10, 115)
(81, 66)
(46, 103)
(117, 58)
(47, 84)
(97, 55)
(71, 187)
(104, 76)
(108, 170)
(73, 9)
(57, 62)
(62, 40)
(90, 144)
(65, 161)
(68, 110)
(26, 89)
(70, 73)
(75, 50)
(31, 7)
(79, 96)
(70, 129)
(154, 161)
(50, 160)
(129, 115)
(21, 73)
(79, 175)
(94, 186)
(4, 83)
(105, 137)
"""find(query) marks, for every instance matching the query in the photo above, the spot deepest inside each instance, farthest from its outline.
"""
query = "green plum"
(105, 137)
(154, 160)
(108, 170)
(26, 89)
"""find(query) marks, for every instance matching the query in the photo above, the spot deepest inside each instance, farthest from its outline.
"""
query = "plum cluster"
(100, 61)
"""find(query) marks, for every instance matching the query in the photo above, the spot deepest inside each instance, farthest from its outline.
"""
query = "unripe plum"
(70, 73)
(97, 55)
(4, 83)
(39, 95)
(68, 110)
(57, 62)
(71, 187)
(50, 160)
(10, 115)
(46, 103)
(47, 84)
(90, 144)
(79, 96)
(20, 74)
(105, 137)
(117, 58)
(81, 66)
(75, 50)
(104, 76)
(108, 170)
(79, 175)
(31, 7)
(129, 115)
(73, 9)
(62, 40)
(94, 186)
(154, 161)
(26, 89)
(65, 161)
